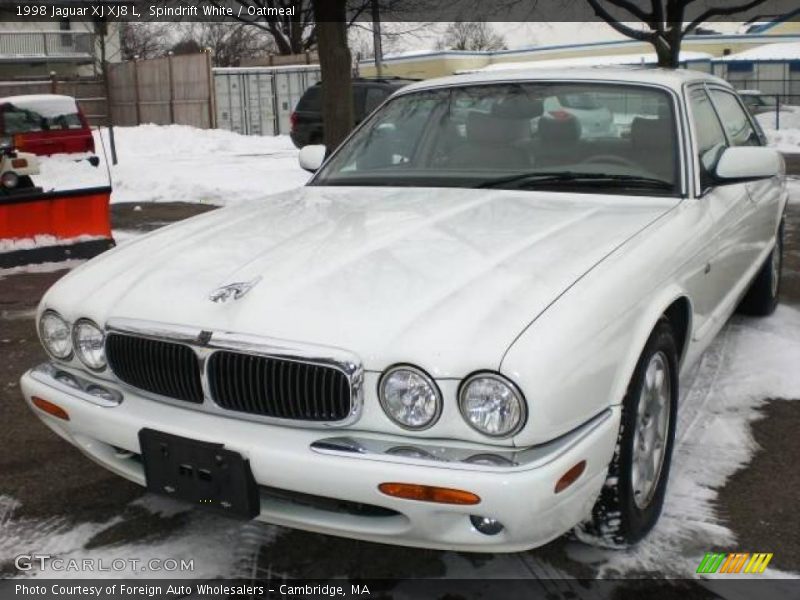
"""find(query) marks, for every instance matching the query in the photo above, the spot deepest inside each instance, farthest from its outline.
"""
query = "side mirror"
(312, 157)
(743, 163)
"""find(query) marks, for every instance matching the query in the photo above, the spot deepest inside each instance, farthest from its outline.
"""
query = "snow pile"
(176, 163)
(779, 51)
(787, 138)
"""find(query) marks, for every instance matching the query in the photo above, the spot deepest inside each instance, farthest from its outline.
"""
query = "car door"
(731, 211)
(764, 194)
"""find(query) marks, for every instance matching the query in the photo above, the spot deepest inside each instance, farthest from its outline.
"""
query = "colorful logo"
(735, 562)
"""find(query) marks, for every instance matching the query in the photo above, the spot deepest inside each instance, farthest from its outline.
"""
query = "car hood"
(444, 278)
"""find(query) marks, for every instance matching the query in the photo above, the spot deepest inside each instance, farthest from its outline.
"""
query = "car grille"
(162, 368)
(246, 383)
(278, 388)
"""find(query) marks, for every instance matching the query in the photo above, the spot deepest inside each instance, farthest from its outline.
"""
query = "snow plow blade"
(54, 226)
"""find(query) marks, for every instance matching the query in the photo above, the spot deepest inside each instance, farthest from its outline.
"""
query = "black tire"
(762, 297)
(618, 519)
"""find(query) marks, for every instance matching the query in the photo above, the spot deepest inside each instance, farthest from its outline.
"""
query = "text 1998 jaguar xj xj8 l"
(466, 332)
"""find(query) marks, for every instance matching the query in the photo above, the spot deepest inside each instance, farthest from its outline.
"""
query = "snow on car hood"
(443, 278)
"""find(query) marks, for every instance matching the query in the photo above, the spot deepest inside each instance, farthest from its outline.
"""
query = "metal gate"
(260, 100)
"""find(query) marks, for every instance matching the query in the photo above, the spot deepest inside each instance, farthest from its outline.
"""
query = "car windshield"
(39, 114)
(509, 135)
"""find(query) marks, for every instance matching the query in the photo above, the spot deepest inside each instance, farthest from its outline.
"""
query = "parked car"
(594, 119)
(757, 102)
(45, 124)
(16, 169)
(368, 94)
(453, 337)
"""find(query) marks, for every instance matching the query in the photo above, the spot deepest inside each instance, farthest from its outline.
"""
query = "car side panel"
(599, 340)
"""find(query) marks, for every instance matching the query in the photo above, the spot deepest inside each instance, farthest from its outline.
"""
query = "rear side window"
(710, 137)
(311, 100)
(20, 117)
(737, 124)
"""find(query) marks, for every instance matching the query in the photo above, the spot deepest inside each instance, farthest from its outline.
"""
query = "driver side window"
(710, 137)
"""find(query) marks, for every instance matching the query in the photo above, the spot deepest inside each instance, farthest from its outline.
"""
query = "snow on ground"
(176, 163)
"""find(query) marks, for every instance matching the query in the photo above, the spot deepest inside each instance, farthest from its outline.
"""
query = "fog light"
(67, 379)
(486, 525)
(101, 392)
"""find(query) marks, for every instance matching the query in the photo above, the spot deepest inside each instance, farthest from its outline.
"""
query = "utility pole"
(376, 38)
(101, 30)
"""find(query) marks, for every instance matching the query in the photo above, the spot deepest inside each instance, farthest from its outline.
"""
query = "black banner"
(400, 589)
(390, 10)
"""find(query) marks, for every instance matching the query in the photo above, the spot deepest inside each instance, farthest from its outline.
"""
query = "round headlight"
(89, 341)
(54, 333)
(410, 397)
(492, 405)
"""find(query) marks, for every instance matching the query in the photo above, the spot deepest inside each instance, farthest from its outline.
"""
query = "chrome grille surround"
(205, 344)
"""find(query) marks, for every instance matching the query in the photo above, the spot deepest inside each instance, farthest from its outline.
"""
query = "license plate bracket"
(202, 473)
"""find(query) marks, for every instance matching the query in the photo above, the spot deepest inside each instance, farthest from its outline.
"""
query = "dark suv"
(368, 94)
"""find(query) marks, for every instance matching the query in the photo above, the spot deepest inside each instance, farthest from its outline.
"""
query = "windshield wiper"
(535, 178)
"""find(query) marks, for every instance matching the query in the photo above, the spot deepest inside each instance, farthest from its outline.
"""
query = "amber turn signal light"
(568, 478)
(50, 408)
(428, 493)
(19, 163)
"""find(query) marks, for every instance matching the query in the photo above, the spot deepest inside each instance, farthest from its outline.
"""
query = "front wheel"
(630, 502)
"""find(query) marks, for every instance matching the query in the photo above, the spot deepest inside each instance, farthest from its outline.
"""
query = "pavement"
(47, 486)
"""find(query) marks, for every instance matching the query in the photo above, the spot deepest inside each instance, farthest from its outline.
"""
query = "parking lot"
(54, 500)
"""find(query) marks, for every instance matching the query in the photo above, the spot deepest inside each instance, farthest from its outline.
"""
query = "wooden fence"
(90, 94)
(172, 89)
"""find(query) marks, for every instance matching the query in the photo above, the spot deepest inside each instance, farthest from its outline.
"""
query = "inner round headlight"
(492, 405)
(54, 333)
(89, 341)
(410, 397)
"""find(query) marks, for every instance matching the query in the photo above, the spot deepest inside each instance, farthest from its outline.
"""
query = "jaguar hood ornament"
(233, 291)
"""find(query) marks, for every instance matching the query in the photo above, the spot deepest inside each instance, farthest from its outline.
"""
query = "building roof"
(648, 58)
(672, 78)
(781, 51)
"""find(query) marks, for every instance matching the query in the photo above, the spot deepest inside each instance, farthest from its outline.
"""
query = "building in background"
(35, 49)
(700, 52)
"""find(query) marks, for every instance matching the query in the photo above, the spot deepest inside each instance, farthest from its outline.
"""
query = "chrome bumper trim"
(476, 459)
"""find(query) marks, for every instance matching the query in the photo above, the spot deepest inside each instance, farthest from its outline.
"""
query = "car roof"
(672, 78)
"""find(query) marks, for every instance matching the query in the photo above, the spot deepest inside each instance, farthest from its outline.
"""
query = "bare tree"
(292, 34)
(663, 22)
(471, 35)
(143, 40)
(229, 43)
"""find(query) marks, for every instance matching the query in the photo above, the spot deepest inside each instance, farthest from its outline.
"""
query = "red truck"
(45, 124)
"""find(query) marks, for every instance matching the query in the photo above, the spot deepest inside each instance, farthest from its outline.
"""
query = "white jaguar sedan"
(460, 334)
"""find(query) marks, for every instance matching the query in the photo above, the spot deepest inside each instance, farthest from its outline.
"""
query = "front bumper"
(517, 488)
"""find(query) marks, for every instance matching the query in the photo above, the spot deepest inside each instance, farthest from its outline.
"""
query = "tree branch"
(721, 12)
(601, 12)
